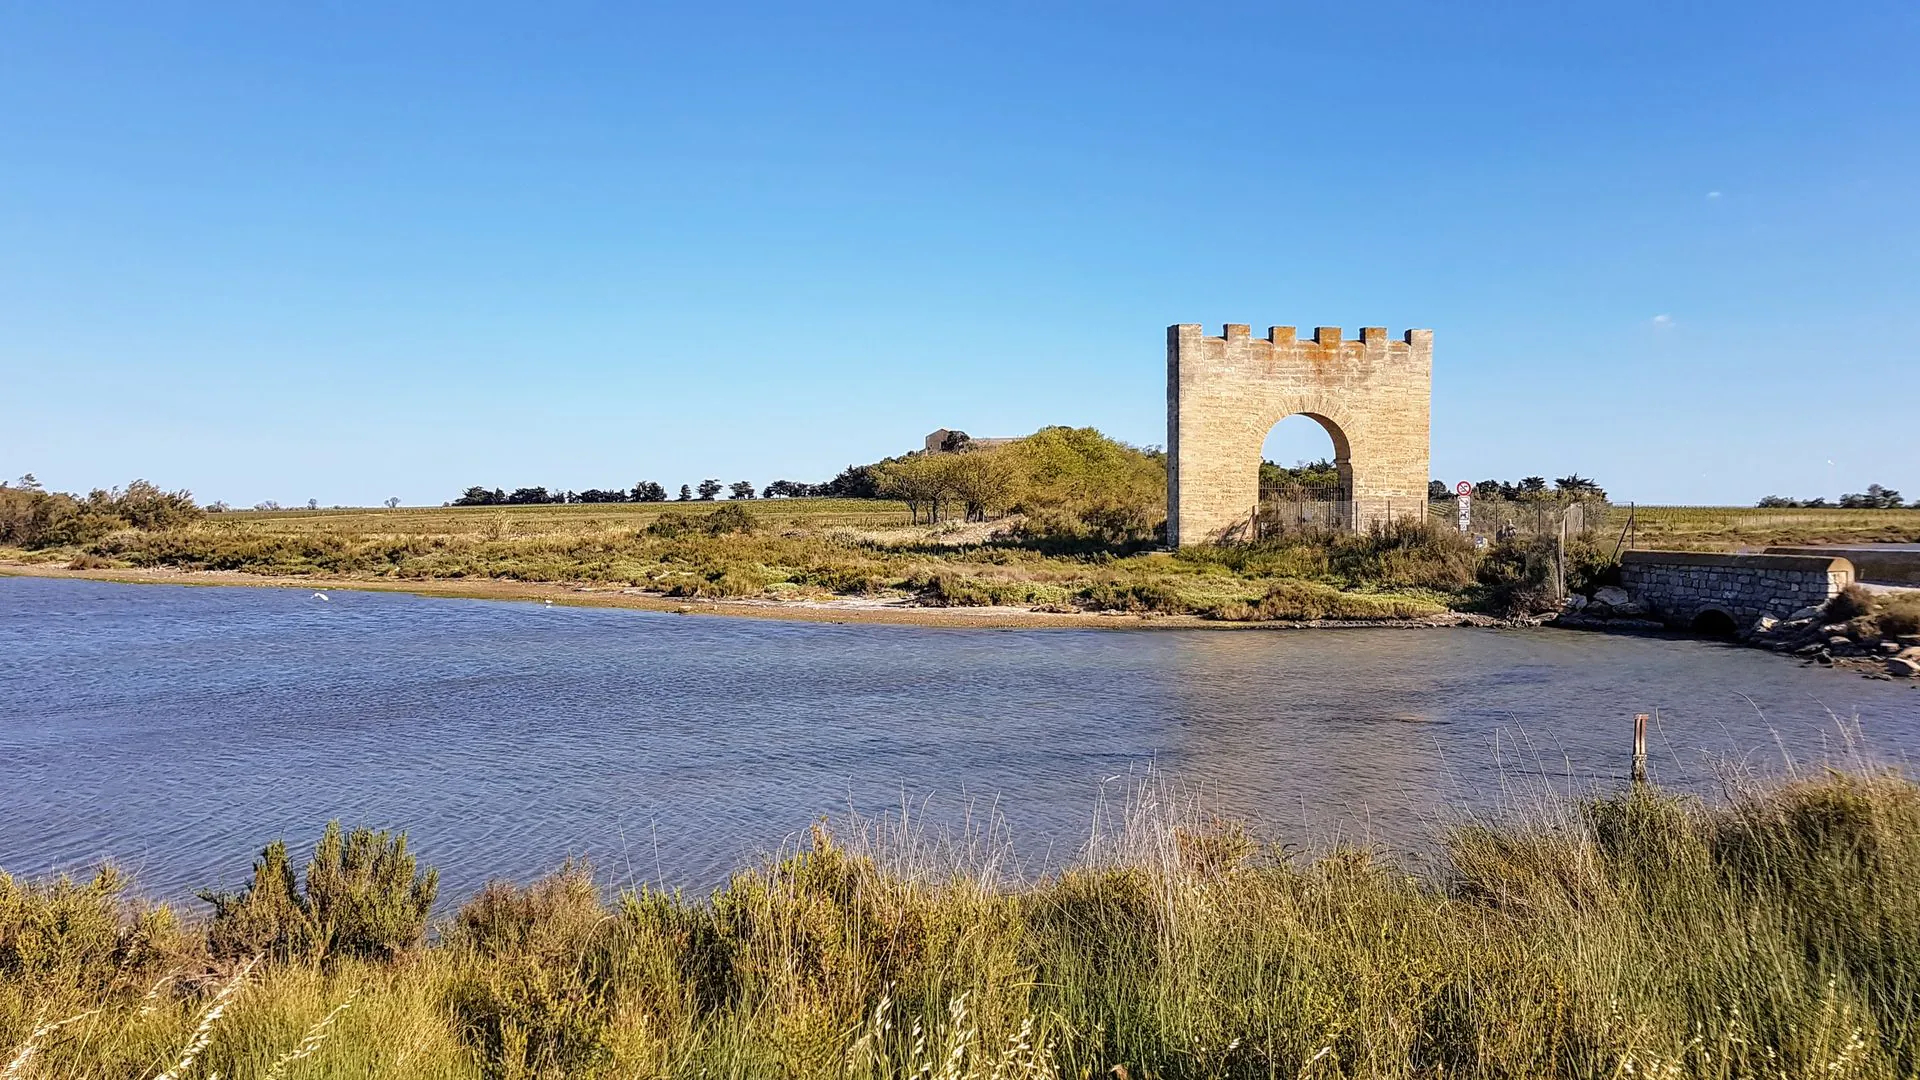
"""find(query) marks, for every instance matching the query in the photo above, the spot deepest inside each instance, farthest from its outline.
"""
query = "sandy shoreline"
(884, 612)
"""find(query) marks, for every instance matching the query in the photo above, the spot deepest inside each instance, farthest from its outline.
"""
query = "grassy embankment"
(1632, 935)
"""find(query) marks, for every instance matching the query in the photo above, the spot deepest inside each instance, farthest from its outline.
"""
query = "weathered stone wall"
(1680, 586)
(1225, 393)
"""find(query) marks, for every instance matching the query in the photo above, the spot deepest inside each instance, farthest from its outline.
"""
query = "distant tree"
(529, 496)
(740, 489)
(1816, 502)
(479, 496)
(218, 508)
(393, 502)
(1874, 498)
(646, 491)
(599, 495)
(917, 480)
(266, 504)
(789, 489)
(708, 489)
(1773, 502)
(686, 493)
(313, 504)
(1488, 489)
(1437, 490)
(1302, 480)
(1578, 487)
(854, 482)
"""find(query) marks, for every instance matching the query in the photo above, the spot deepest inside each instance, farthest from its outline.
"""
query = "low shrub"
(1849, 603)
(1158, 596)
(1306, 601)
(1640, 933)
(83, 935)
(954, 590)
(725, 520)
(1900, 616)
(363, 897)
(533, 994)
(1402, 554)
(1516, 575)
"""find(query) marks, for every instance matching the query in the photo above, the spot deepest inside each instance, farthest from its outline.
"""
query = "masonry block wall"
(1679, 586)
(1224, 394)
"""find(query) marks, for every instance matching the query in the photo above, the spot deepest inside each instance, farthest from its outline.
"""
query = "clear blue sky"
(347, 251)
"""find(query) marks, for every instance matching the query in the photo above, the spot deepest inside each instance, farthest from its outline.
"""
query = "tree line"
(1875, 497)
(855, 482)
(1526, 489)
(33, 517)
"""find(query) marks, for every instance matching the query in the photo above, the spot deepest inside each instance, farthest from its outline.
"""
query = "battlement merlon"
(1323, 336)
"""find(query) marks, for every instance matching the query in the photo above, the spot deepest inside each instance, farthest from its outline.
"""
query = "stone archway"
(1224, 394)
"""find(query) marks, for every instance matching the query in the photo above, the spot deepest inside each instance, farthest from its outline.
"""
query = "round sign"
(1463, 488)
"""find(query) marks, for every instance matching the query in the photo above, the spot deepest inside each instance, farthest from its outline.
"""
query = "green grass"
(1640, 934)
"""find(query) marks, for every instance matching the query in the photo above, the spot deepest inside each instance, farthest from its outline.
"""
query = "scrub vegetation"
(1064, 520)
(1775, 933)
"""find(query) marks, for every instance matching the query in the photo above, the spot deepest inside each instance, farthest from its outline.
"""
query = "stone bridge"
(1727, 594)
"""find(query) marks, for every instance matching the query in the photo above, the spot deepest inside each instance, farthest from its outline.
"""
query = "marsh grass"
(805, 549)
(1775, 933)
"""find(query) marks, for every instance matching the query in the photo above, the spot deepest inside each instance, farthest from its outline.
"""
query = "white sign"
(1466, 513)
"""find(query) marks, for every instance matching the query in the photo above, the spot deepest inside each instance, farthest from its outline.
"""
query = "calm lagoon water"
(177, 729)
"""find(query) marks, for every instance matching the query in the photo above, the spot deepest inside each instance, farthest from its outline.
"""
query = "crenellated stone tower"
(1225, 393)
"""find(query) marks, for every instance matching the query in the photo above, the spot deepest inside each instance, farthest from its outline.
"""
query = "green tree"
(686, 493)
(740, 489)
(985, 481)
(708, 489)
(917, 480)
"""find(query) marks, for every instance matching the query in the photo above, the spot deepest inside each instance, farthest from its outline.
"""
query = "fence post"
(1639, 748)
(1560, 559)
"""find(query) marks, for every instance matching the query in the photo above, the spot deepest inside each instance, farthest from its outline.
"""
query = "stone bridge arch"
(1373, 396)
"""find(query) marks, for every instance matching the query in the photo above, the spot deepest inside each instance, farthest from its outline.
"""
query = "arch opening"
(1305, 476)
(1714, 623)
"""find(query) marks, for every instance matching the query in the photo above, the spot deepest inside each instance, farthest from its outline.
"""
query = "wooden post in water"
(1639, 748)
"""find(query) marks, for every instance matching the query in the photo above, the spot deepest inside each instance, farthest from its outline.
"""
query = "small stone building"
(952, 440)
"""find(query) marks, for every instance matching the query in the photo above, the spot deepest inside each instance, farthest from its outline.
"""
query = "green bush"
(955, 590)
(1306, 601)
(1517, 575)
(1140, 596)
(31, 518)
(79, 934)
(724, 520)
(363, 897)
(534, 992)
(1401, 554)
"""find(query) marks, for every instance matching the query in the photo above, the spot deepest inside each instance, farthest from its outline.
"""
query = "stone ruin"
(1224, 394)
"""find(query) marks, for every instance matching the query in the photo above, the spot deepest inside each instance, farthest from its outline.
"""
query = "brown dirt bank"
(894, 612)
